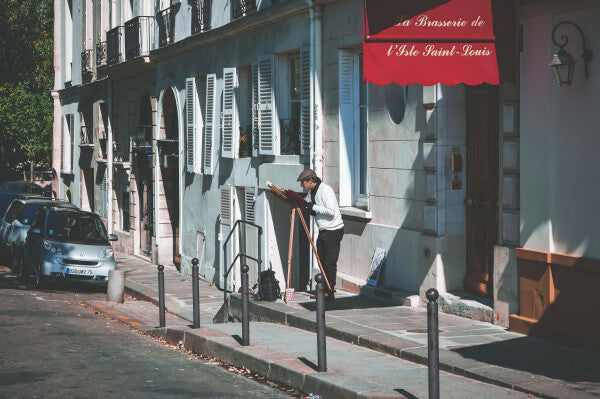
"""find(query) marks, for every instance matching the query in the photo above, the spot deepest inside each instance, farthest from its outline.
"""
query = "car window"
(75, 227)
(5, 200)
(14, 211)
(29, 214)
(39, 220)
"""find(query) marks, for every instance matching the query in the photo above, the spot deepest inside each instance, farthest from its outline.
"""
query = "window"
(126, 224)
(14, 211)
(103, 193)
(353, 127)
(67, 143)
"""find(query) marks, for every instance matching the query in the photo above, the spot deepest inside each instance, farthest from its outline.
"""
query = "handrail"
(239, 254)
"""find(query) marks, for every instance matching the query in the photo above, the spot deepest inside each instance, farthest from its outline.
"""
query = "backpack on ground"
(268, 287)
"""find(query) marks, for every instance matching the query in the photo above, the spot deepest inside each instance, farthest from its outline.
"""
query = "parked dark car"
(23, 187)
(7, 198)
(16, 222)
(68, 243)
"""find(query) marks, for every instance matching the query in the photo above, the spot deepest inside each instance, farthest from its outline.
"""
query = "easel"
(295, 201)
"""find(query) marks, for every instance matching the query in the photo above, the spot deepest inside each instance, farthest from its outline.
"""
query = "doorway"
(482, 187)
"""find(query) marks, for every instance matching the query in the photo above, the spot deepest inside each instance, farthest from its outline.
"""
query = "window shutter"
(267, 116)
(346, 78)
(190, 123)
(103, 199)
(255, 123)
(230, 124)
(71, 118)
(249, 204)
(62, 145)
(209, 126)
(227, 205)
(305, 118)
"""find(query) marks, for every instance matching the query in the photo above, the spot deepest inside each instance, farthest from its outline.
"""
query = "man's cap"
(307, 174)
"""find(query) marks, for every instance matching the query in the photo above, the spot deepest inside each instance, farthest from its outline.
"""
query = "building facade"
(170, 117)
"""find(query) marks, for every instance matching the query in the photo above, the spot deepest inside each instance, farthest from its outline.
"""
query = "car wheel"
(38, 277)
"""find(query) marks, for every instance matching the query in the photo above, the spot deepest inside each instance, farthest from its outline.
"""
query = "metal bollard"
(161, 295)
(433, 347)
(195, 293)
(321, 344)
(245, 316)
(115, 290)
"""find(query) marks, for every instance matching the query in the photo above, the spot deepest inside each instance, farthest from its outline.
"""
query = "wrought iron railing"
(141, 136)
(139, 34)
(201, 15)
(86, 136)
(245, 141)
(166, 24)
(167, 147)
(290, 136)
(100, 54)
(87, 59)
(243, 7)
(120, 152)
(114, 46)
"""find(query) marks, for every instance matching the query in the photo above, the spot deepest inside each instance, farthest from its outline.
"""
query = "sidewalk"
(373, 348)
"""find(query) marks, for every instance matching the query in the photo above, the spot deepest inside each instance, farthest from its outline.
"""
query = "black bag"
(268, 287)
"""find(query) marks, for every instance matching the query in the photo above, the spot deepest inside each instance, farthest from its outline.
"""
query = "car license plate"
(79, 272)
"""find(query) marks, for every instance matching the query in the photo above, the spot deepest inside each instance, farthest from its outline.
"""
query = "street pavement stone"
(376, 341)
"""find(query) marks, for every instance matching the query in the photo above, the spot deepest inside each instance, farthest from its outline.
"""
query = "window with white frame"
(353, 128)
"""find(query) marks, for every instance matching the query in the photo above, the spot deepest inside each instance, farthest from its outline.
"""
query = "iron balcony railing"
(86, 136)
(290, 136)
(120, 152)
(141, 136)
(139, 36)
(243, 7)
(100, 54)
(166, 25)
(114, 45)
(201, 15)
(87, 61)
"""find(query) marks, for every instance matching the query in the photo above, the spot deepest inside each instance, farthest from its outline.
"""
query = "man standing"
(323, 205)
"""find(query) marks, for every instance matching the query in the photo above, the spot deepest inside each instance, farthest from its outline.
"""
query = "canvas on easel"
(376, 266)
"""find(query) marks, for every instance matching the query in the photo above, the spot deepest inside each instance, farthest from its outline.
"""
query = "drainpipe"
(109, 162)
(316, 109)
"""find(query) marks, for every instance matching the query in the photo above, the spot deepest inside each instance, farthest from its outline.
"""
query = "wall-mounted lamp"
(563, 63)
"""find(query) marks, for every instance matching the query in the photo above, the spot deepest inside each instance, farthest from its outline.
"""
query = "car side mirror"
(35, 231)
(112, 237)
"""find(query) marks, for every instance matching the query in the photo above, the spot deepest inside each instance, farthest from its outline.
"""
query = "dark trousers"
(328, 249)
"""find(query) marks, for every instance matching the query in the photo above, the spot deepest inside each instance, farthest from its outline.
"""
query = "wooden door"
(482, 187)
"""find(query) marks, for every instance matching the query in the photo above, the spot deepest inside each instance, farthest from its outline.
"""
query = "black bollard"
(161, 295)
(433, 347)
(245, 316)
(321, 345)
(195, 293)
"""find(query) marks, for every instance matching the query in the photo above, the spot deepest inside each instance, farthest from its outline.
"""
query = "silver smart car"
(68, 243)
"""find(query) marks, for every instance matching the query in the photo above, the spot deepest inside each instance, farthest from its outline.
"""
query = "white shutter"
(190, 123)
(255, 122)
(227, 205)
(62, 144)
(209, 126)
(347, 100)
(227, 221)
(249, 204)
(305, 117)
(267, 115)
(230, 125)
(71, 118)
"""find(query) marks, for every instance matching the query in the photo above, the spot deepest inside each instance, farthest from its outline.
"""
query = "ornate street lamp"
(563, 63)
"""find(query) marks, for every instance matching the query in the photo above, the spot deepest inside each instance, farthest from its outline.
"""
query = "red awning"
(429, 42)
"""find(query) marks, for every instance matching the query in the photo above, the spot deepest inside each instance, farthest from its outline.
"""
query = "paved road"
(53, 347)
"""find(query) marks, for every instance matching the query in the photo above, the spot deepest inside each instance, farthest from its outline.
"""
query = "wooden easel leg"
(314, 248)
(289, 272)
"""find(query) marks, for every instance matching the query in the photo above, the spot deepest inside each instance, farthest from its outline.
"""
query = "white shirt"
(328, 216)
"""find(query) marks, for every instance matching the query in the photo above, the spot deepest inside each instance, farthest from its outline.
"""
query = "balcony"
(121, 155)
(114, 45)
(168, 153)
(141, 145)
(290, 136)
(100, 54)
(166, 25)
(86, 139)
(87, 62)
(200, 16)
(139, 37)
(242, 8)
